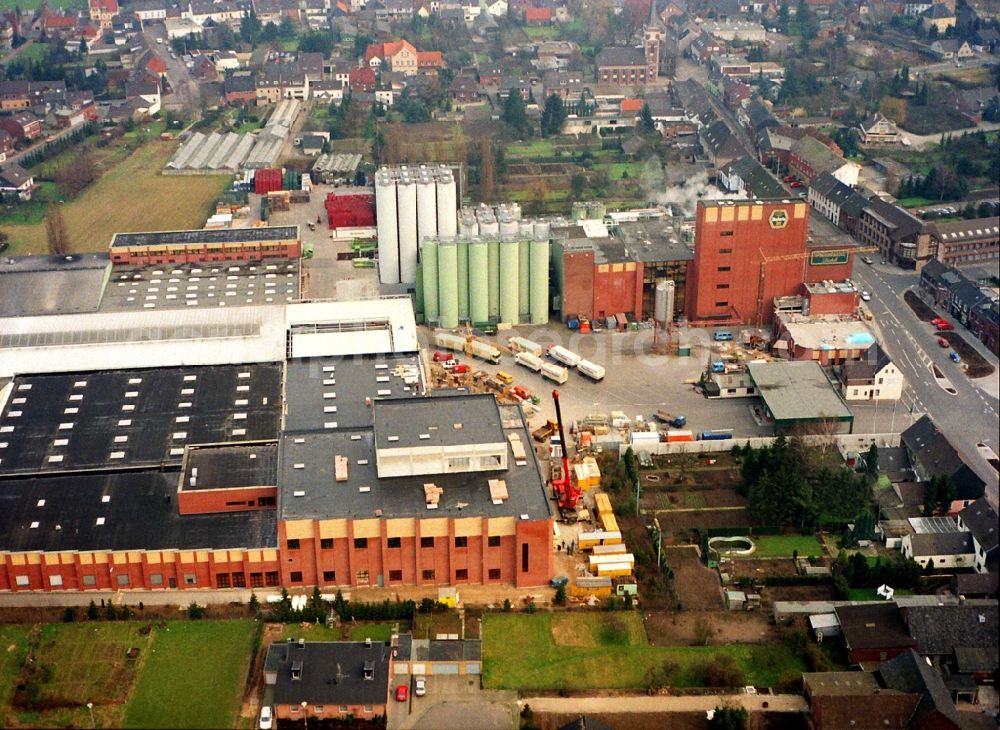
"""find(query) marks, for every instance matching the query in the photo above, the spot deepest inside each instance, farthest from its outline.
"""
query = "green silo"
(429, 265)
(448, 284)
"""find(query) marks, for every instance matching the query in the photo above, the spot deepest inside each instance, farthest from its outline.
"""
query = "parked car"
(402, 693)
(795, 184)
(942, 342)
(867, 260)
(789, 178)
(945, 326)
(954, 356)
(460, 369)
(938, 320)
(866, 296)
(443, 356)
(266, 718)
(420, 688)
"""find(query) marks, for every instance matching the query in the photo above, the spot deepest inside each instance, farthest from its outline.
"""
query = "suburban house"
(937, 550)
(746, 175)
(878, 129)
(874, 632)
(941, 630)
(335, 680)
(873, 377)
(911, 674)
(721, 145)
(838, 203)
(855, 699)
(948, 49)
(403, 57)
(23, 126)
(938, 16)
(931, 454)
(275, 84)
(102, 11)
(15, 180)
(980, 519)
(240, 89)
(808, 157)
(144, 96)
(984, 323)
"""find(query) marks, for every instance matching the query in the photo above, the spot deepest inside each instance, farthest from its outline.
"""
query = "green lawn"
(546, 651)
(541, 32)
(13, 649)
(616, 169)
(373, 631)
(36, 51)
(534, 148)
(914, 202)
(778, 546)
(193, 676)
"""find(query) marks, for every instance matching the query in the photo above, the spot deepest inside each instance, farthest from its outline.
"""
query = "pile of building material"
(432, 495)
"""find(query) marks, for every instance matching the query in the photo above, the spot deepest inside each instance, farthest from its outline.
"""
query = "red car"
(460, 369)
(942, 342)
(944, 326)
(789, 178)
(795, 184)
(402, 693)
(938, 320)
(443, 356)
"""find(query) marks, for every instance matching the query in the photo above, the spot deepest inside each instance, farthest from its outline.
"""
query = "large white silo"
(406, 206)
(663, 302)
(388, 241)
(426, 205)
(447, 205)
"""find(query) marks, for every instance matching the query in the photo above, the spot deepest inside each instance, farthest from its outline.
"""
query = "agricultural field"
(131, 195)
(545, 651)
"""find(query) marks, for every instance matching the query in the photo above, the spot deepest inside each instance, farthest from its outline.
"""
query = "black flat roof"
(129, 418)
(351, 380)
(140, 513)
(38, 285)
(219, 235)
(232, 465)
(420, 422)
(330, 673)
(307, 487)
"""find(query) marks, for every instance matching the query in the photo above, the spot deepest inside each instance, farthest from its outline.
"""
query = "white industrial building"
(411, 203)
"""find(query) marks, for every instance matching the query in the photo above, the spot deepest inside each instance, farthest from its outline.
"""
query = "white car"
(420, 688)
(266, 718)
(866, 297)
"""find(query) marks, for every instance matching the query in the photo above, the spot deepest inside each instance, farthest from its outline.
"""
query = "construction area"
(215, 153)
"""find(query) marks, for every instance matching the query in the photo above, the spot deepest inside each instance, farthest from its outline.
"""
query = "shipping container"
(584, 587)
(644, 437)
(526, 359)
(449, 342)
(520, 344)
(717, 434)
(350, 211)
(554, 372)
(595, 559)
(609, 549)
(608, 522)
(678, 436)
(587, 540)
(566, 357)
(602, 503)
(267, 180)
(612, 570)
(591, 370)
(485, 351)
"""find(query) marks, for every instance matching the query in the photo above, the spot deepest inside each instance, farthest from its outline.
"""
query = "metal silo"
(467, 224)
(463, 280)
(431, 281)
(515, 210)
(388, 242)
(406, 195)
(523, 278)
(426, 206)
(525, 229)
(542, 231)
(508, 226)
(663, 302)
(488, 225)
(447, 207)
(579, 211)
(493, 283)
(479, 310)
(596, 210)
(509, 281)
(539, 305)
(418, 297)
(448, 284)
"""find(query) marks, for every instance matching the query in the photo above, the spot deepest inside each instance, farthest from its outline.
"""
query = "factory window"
(462, 574)
(725, 250)
(461, 542)
(725, 233)
(122, 580)
(427, 575)
(494, 574)
(21, 580)
(459, 462)
(427, 542)
(524, 558)
(295, 576)
(222, 580)
(89, 580)
(722, 286)
(326, 543)
(235, 504)
(256, 580)
(271, 578)
(360, 543)
(293, 544)
(493, 541)
(329, 576)
(267, 501)
(395, 575)
(724, 268)
(394, 542)
(156, 579)
(239, 580)
(722, 304)
(190, 579)
(55, 580)
(361, 578)
(489, 462)
(343, 709)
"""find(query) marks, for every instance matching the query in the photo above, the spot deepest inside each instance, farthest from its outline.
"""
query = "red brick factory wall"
(618, 288)
(224, 500)
(578, 283)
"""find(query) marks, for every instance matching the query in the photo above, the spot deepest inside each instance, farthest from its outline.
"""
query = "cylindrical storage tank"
(579, 211)
(488, 225)
(515, 210)
(509, 281)
(468, 226)
(525, 229)
(541, 231)
(523, 279)
(663, 301)
(493, 283)
(463, 280)
(447, 205)
(539, 304)
(426, 207)
(448, 284)
(406, 195)
(429, 266)
(596, 210)
(388, 243)
(418, 296)
(479, 310)
(508, 226)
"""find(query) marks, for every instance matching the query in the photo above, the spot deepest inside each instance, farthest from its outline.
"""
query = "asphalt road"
(185, 92)
(969, 415)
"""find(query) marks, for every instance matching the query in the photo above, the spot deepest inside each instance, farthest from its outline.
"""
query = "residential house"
(840, 700)
(938, 16)
(147, 11)
(490, 75)
(836, 202)
(203, 69)
(394, 11)
(966, 241)
(808, 157)
(224, 12)
(335, 680)
(362, 79)
(102, 11)
(284, 81)
(975, 585)
(567, 85)
(932, 454)
(878, 129)
(985, 39)
(705, 47)
(311, 64)
(873, 377)
(22, 126)
(909, 673)
(980, 519)
(874, 631)
(497, 8)
(537, 16)
(399, 55)
(984, 323)
(145, 97)
(27, 94)
(939, 550)
(621, 65)
(757, 116)
(721, 145)
(267, 11)
(965, 297)
(746, 175)
(941, 629)
(330, 90)
(463, 90)
(952, 48)
(16, 181)
(240, 89)
(901, 237)
(937, 280)
(313, 144)
(973, 103)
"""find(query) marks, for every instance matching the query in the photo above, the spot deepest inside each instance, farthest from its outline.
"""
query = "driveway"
(454, 701)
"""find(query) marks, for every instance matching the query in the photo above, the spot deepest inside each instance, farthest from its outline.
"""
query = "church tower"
(652, 38)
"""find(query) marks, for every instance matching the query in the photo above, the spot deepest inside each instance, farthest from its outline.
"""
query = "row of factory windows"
(361, 577)
(222, 580)
(361, 543)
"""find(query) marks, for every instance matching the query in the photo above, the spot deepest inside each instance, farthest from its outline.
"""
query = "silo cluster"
(411, 203)
(495, 270)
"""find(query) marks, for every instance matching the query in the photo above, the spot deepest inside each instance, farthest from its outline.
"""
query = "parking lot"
(452, 701)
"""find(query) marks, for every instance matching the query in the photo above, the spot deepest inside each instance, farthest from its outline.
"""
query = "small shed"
(736, 600)
(824, 625)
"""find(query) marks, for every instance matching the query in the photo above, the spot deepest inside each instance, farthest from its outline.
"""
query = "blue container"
(573, 323)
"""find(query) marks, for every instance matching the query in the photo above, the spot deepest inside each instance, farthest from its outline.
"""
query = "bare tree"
(76, 175)
(55, 231)
(487, 170)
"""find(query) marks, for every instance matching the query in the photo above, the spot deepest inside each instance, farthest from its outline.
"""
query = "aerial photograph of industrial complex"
(499, 364)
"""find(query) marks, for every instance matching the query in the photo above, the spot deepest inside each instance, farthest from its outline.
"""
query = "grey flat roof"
(140, 514)
(307, 468)
(797, 391)
(220, 235)
(228, 283)
(231, 465)
(38, 285)
(452, 421)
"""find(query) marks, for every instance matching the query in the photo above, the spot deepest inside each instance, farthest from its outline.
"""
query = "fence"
(856, 442)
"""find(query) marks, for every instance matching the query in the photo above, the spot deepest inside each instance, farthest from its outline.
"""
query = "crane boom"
(566, 494)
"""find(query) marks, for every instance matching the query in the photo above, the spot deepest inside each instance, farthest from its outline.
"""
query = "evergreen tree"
(515, 115)
(647, 125)
(553, 115)
(871, 461)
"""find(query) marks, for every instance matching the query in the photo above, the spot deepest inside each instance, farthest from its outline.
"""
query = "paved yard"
(454, 701)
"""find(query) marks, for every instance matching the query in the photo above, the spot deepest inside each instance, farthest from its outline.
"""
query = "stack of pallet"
(432, 495)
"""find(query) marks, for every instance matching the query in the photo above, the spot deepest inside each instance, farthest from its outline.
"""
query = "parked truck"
(554, 372)
(591, 370)
(448, 341)
(674, 437)
(716, 434)
(677, 421)
(485, 351)
(521, 344)
(566, 357)
(526, 359)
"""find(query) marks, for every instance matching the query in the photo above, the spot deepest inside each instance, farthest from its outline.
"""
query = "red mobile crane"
(566, 493)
